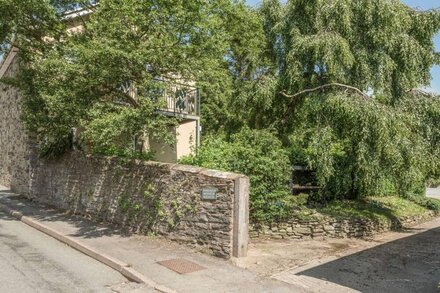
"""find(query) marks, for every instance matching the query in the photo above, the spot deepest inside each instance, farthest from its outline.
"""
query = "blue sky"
(422, 4)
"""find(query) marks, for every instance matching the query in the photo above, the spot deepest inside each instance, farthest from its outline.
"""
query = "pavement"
(407, 260)
(137, 255)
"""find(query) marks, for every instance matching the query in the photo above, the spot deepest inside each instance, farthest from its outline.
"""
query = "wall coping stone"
(221, 174)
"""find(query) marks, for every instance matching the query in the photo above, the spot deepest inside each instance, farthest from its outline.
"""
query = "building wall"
(164, 152)
(186, 142)
(14, 142)
(186, 138)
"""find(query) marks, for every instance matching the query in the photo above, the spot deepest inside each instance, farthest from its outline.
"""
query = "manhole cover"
(181, 266)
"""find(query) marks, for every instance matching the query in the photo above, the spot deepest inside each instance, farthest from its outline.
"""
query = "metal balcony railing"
(180, 99)
(174, 98)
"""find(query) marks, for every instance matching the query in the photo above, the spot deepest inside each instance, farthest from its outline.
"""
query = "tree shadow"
(410, 264)
(84, 227)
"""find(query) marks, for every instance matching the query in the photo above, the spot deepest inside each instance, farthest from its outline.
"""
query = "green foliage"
(360, 148)
(390, 209)
(360, 145)
(85, 80)
(429, 203)
(221, 88)
(423, 117)
(29, 22)
(380, 45)
(258, 154)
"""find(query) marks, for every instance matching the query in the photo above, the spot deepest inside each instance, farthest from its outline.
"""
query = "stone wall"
(142, 197)
(14, 146)
(326, 227)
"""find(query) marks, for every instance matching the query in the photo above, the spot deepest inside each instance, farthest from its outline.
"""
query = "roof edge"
(4, 65)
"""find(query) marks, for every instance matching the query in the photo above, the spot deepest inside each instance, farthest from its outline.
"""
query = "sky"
(421, 4)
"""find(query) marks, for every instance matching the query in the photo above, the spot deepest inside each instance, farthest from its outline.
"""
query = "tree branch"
(421, 92)
(132, 101)
(348, 87)
(322, 87)
(120, 94)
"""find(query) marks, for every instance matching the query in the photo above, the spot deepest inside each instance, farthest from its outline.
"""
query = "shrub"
(257, 154)
(429, 203)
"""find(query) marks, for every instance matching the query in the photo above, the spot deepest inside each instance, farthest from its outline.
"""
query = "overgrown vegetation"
(101, 81)
(260, 155)
(339, 80)
(331, 85)
(361, 148)
(381, 209)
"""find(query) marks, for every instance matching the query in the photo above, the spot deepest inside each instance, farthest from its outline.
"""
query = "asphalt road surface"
(31, 261)
(406, 265)
(433, 192)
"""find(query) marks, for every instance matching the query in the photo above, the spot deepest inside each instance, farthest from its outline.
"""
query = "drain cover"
(181, 266)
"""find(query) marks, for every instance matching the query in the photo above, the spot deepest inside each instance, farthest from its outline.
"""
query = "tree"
(383, 46)
(84, 80)
(222, 89)
(336, 79)
(360, 144)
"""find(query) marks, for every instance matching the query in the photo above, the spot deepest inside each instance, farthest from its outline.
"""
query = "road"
(410, 264)
(406, 261)
(31, 261)
(433, 192)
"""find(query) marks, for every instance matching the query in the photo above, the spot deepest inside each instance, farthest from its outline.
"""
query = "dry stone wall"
(143, 197)
(326, 227)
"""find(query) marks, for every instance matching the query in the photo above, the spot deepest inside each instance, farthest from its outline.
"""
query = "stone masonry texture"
(327, 227)
(14, 142)
(141, 197)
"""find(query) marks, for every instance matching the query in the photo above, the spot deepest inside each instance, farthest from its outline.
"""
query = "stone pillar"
(241, 218)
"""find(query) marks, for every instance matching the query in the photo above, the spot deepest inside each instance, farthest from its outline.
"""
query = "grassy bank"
(373, 208)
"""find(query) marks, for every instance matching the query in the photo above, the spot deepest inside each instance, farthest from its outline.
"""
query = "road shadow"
(410, 264)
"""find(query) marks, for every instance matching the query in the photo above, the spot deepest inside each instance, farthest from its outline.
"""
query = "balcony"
(175, 99)
(180, 100)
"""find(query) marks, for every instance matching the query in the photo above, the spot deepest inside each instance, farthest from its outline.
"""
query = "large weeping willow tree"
(379, 45)
(339, 82)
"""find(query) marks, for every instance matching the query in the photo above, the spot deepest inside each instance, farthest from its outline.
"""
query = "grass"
(381, 209)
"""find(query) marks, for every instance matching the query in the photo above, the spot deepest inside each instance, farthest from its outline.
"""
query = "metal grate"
(181, 266)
